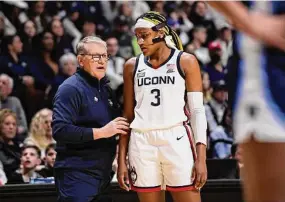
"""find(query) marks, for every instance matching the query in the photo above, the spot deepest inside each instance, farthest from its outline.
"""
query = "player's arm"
(268, 29)
(193, 79)
(129, 104)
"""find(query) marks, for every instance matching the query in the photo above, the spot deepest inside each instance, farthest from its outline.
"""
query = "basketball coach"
(85, 122)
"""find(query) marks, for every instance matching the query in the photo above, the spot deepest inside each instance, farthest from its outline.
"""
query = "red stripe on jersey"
(181, 188)
(192, 144)
(146, 189)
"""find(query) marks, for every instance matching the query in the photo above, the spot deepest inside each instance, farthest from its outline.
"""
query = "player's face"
(144, 39)
(94, 61)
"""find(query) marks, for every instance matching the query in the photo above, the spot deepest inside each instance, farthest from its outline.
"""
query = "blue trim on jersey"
(278, 115)
(136, 66)
(238, 42)
(179, 66)
(150, 65)
(240, 79)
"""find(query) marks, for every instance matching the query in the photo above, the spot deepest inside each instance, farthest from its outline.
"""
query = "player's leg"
(264, 171)
(144, 168)
(186, 196)
(158, 196)
(177, 165)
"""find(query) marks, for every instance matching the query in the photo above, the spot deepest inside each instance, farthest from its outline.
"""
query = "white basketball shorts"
(161, 160)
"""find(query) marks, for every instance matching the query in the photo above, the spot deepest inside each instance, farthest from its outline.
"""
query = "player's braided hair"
(160, 22)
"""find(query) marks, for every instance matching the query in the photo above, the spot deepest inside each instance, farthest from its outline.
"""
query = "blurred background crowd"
(37, 53)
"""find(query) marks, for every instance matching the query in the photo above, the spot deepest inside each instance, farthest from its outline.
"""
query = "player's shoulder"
(188, 57)
(131, 64)
(188, 60)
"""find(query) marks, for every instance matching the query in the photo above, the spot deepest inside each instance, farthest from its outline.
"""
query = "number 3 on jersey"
(156, 93)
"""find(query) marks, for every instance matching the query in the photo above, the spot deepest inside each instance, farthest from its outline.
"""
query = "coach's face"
(94, 60)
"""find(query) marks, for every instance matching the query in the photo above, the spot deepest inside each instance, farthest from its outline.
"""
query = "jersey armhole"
(136, 66)
(181, 72)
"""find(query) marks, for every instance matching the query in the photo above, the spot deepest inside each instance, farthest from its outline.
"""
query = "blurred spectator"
(13, 103)
(215, 68)
(2, 29)
(10, 152)
(29, 32)
(3, 177)
(40, 133)
(70, 28)
(55, 9)
(180, 23)
(30, 159)
(50, 155)
(75, 13)
(115, 64)
(158, 6)
(236, 151)
(46, 65)
(216, 107)
(62, 41)
(6, 27)
(16, 66)
(68, 66)
(198, 18)
(115, 166)
(125, 11)
(110, 10)
(238, 156)
(11, 10)
(36, 13)
(89, 27)
(138, 8)
(123, 34)
(226, 41)
(186, 6)
(93, 10)
(221, 139)
(207, 90)
(195, 47)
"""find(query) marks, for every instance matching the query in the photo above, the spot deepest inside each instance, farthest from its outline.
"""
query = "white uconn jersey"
(159, 94)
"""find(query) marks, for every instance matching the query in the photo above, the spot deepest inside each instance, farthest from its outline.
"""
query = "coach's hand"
(123, 177)
(199, 174)
(117, 126)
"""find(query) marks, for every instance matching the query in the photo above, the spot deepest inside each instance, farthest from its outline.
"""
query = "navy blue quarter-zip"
(99, 87)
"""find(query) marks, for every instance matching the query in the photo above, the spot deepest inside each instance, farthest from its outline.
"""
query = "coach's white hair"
(10, 80)
(67, 57)
(80, 48)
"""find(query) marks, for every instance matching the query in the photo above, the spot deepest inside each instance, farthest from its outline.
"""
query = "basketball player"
(258, 99)
(158, 87)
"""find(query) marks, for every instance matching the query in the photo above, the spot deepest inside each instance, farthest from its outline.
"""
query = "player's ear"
(161, 33)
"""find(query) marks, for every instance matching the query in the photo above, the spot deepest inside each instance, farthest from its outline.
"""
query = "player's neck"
(160, 56)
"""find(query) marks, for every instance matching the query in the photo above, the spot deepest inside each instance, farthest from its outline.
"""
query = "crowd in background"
(37, 53)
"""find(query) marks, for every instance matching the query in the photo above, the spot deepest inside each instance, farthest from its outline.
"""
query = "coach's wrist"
(97, 133)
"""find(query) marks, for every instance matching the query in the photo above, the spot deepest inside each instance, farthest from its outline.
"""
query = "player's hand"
(123, 176)
(117, 126)
(199, 174)
(271, 31)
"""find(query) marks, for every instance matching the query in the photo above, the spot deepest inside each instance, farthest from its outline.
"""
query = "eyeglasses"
(97, 57)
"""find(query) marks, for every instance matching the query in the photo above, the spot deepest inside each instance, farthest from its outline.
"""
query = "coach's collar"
(92, 80)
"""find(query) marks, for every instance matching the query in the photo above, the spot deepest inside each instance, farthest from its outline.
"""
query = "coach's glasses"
(97, 57)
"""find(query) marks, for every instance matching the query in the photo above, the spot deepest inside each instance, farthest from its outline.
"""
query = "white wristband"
(197, 116)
